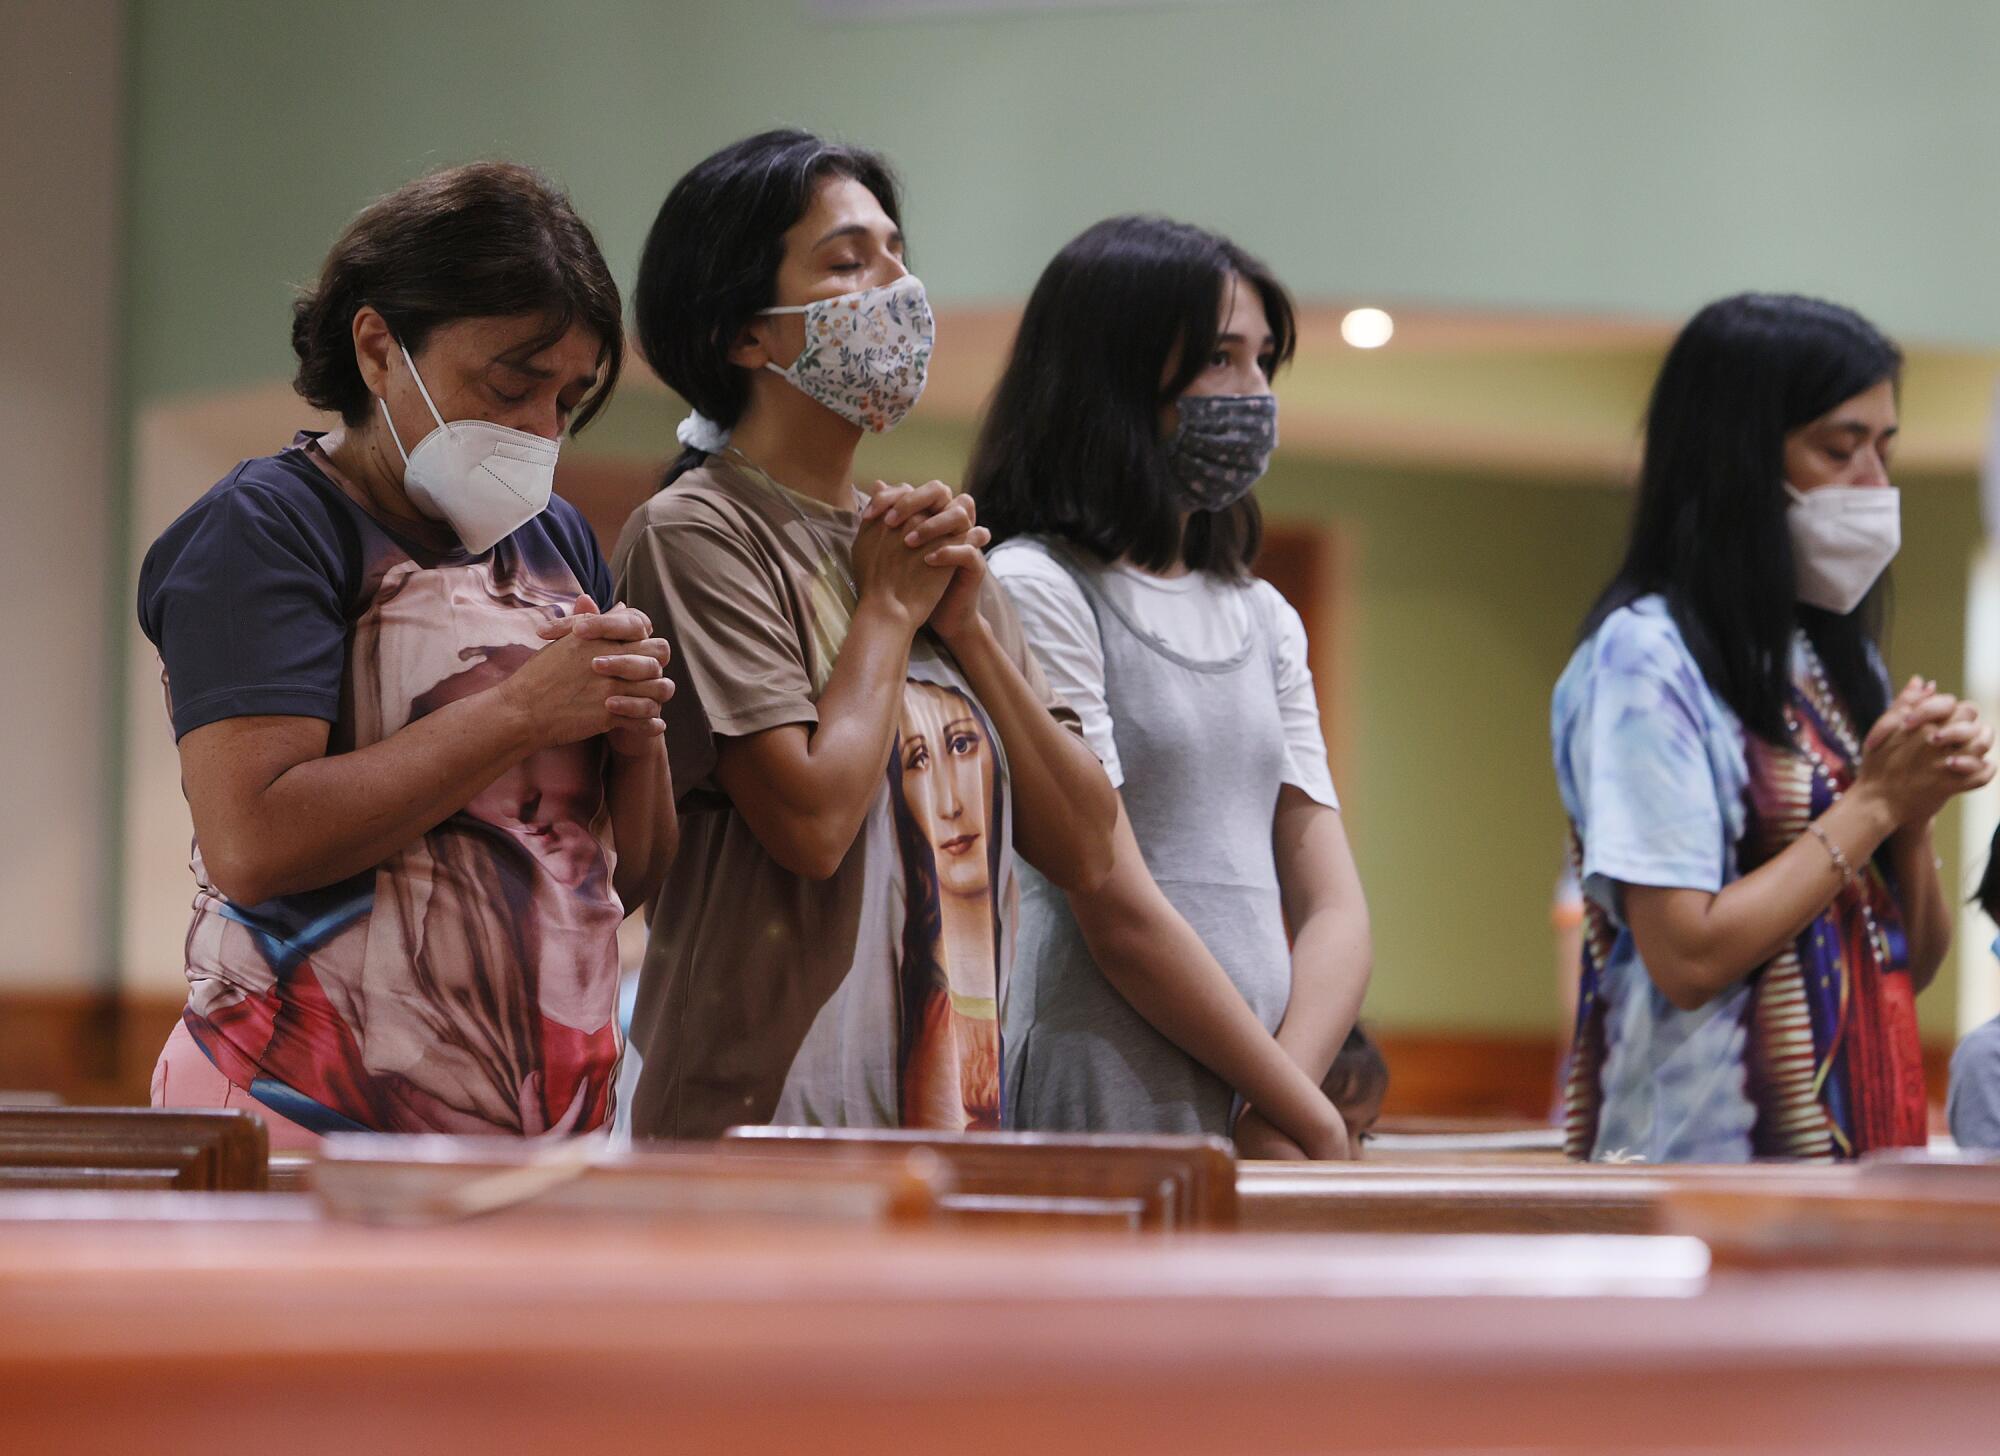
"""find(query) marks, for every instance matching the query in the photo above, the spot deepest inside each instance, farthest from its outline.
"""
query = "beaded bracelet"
(1834, 852)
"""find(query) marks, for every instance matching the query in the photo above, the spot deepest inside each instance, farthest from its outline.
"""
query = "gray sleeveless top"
(1203, 749)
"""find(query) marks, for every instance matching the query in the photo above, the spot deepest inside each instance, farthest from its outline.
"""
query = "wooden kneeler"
(139, 1148)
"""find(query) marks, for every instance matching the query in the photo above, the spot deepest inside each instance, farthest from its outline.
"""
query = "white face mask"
(867, 354)
(485, 481)
(1843, 539)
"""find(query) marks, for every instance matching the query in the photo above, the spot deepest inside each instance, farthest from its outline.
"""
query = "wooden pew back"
(133, 1148)
(1891, 1213)
(420, 1180)
(1041, 1179)
(481, 1336)
(1571, 1199)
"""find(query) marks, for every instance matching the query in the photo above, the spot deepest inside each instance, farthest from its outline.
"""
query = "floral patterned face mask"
(866, 353)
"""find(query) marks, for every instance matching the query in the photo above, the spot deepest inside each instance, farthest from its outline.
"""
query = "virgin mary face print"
(946, 761)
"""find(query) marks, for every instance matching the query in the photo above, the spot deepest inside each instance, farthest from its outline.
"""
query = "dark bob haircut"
(1071, 445)
(1709, 531)
(486, 240)
(711, 260)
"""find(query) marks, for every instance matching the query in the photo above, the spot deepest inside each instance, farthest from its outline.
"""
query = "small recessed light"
(1367, 328)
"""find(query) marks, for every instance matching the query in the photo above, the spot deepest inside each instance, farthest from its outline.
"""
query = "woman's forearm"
(1332, 956)
(1926, 910)
(315, 822)
(1332, 944)
(1153, 958)
(645, 828)
(1696, 944)
(1065, 810)
(805, 793)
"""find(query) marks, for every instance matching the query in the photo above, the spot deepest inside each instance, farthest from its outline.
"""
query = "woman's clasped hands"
(1926, 747)
(922, 547)
(602, 672)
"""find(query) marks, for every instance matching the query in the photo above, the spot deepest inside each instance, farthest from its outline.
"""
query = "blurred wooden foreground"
(781, 1291)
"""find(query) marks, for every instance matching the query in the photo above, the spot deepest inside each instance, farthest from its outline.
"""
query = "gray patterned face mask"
(1221, 448)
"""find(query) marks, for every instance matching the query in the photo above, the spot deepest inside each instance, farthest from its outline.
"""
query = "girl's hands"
(1256, 1137)
(944, 527)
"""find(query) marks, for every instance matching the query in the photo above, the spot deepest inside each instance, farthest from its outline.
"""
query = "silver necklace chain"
(785, 494)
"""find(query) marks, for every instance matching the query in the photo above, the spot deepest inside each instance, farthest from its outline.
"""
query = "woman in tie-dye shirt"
(425, 770)
(1751, 806)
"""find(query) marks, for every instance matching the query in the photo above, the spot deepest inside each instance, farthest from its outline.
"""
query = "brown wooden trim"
(1453, 1074)
(89, 1050)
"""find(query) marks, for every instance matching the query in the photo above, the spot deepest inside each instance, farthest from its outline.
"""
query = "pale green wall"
(1569, 154)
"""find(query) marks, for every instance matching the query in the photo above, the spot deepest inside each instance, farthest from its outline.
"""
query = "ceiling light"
(1367, 328)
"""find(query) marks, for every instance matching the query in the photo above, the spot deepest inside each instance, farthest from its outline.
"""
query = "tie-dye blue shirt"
(1653, 775)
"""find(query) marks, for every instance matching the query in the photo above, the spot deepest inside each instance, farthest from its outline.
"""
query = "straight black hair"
(485, 240)
(1987, 896)
(1071, 445)
(711, 260)
(1709, 531)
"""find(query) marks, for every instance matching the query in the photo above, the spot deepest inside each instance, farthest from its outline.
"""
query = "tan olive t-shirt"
(869, 999)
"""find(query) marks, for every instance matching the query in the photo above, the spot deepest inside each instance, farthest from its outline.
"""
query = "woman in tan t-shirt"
(862, 738)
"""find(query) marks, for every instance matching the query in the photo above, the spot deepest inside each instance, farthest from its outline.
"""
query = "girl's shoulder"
(1037, 558)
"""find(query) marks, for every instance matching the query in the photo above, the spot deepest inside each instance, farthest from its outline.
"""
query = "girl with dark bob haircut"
(1115, 465)
(823, 636)
(1751, 810)
(424, 765)
(1126, 317)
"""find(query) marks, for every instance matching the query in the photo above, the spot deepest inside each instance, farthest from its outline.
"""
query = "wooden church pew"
(1885, 1214)
(133, 1148)
(1572, 1198)
(1271, 1200)
(1041, 1179)
(751, 1340)
(291, 1171)
(1439, 1143)
(441, 1179)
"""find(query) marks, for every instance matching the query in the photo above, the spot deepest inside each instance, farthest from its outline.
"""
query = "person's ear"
(375, 347)
(751, 348)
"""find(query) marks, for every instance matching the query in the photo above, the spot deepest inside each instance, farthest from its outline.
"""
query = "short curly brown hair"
(484, 240)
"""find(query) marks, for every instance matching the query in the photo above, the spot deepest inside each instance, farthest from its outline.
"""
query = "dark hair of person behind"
(1709, 530)
(1987, 896)
(485, 240)
(711, 261)
(1071, 444)
(1359, 1073)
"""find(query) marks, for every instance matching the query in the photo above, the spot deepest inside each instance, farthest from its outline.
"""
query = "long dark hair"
(1987, 896)
(1071, 445)
(485, 240)
(1709, 531)
(711, 260)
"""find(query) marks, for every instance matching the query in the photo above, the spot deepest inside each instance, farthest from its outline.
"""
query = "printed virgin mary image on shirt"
(944, 789)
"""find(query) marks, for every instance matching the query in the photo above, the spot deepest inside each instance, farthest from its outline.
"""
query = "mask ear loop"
(428, 404)
(420, 387)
